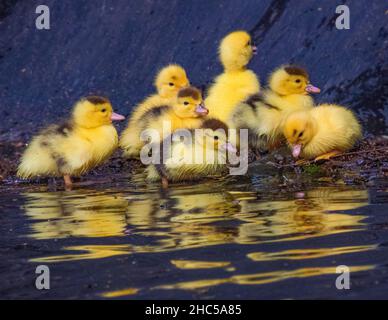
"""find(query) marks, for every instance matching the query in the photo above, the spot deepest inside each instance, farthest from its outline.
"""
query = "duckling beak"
(229, 147)
(116, 117)
(254, 50)
(296, 150)
(201, 110)
(312, 89)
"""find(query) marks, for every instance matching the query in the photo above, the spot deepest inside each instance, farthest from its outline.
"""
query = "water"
(249, 238)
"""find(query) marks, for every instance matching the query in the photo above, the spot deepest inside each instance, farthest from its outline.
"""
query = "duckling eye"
(216, 137)
(103, 110)
(171, 84)
(297, 80)
(300, 134)
(249, 43)
(186, 103)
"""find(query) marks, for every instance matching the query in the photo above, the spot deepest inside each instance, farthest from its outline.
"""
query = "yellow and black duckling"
(201, 156)
(75, 146)
(237, 83)
(322, 132)
(168, 82)
(186, 112)
(263, 114)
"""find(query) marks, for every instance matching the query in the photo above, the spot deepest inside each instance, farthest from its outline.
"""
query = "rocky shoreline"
(366, 162)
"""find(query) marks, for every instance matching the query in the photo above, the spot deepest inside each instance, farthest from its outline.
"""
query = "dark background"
(115, 47)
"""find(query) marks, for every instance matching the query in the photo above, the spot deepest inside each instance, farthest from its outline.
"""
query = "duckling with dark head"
(75, 146)
(186, 112)
(264, 114)
(203, 155)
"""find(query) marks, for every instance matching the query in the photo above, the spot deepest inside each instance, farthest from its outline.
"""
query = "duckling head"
(299, 129)
(93, 112)
(189, 103)
(236, 50)
(288, 80)
(216, 136)
(170, 80)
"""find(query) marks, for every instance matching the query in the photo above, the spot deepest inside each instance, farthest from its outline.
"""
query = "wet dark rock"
(115, 49)
(5, 8)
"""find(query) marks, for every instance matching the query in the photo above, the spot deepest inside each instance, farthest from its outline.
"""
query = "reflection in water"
(301, 254)
(190, 264)
(76, 214)
(195, 217)
(120, 293)
(262, 278)
(316, 214)
(88, 252)
(183, 220)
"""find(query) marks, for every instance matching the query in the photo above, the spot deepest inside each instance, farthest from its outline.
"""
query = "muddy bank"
(10, 155)
(363, 164)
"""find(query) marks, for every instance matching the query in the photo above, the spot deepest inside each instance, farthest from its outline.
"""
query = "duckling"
(168, 82)
(237, 83)
(186, 112)
(204, 155)
(322, 132)
(75, 146)
(263, 114)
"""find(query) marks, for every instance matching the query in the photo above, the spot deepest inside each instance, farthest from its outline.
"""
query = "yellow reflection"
(120, 293)
(300, 254)
(191, 264)
(77, 214)
(90, 252)
(261, 278)
(182, 220)
(192, 217)
(316, 214)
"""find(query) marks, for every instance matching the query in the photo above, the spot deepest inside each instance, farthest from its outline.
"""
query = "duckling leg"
(161, 169)
(301, 162)
(328, 155)
(164, 183)
(68, 182)
(274, 145)
(257, 154)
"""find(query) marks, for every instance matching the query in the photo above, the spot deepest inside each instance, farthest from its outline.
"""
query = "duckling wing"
(73, 155)
(54, 152)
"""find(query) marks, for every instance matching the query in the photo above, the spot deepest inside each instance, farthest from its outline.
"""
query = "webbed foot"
(327, 155)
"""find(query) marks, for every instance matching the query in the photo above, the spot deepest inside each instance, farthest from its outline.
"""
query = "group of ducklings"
(284, 111)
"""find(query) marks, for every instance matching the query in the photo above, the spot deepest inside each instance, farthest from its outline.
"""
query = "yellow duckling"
(74, 147)
(237, 83)
(263, 114)
(186, 112)
(322, 132)
(205, 154)
(168, 82)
